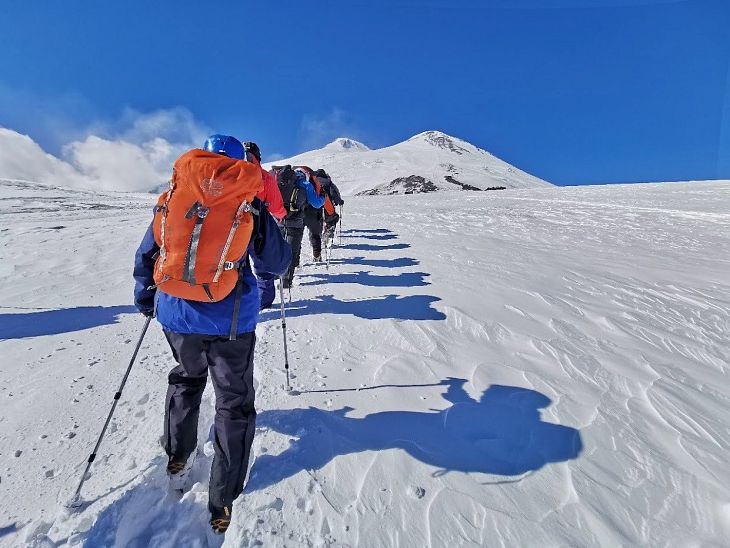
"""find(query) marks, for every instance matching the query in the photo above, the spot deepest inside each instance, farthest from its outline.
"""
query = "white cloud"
(273, 157)
(121, 165)
(135, 153)
(177, 125)
(318, 131)
(23, 158)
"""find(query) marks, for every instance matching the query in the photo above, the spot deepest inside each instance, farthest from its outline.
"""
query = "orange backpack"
(203, 225)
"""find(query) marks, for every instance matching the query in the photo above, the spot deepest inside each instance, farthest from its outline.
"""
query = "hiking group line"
(220, 237)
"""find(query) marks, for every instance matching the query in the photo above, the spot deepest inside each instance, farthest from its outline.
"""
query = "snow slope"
(447, 162)
(523, 368)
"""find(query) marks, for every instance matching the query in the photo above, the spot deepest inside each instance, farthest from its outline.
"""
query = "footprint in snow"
(276, 504)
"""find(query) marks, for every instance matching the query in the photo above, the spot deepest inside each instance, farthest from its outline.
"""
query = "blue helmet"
(226, 145)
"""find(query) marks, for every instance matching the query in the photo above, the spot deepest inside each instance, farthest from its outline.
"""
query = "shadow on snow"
(412, 307)
(501, 433)
(390, 236)
(149, 515)
(384, 263)
(53, 322)
(8, 530)
(371, 247)
(367, 231)
(407, 279)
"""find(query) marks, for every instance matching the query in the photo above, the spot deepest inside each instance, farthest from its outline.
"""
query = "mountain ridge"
(446, 162)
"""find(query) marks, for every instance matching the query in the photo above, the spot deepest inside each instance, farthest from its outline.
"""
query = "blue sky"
(573, 91)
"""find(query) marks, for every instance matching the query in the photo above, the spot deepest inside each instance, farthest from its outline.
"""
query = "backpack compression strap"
(164, 208)
(293, 200)
(222, 264)
(192, 254)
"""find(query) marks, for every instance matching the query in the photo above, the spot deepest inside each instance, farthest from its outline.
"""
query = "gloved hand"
(146, 307)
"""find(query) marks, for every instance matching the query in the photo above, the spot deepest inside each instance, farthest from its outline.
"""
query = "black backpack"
(329, 187)
(293, 199)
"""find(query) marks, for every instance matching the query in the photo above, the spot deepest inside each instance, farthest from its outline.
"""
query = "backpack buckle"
(229, 265)
(202, 212)
(249, 208)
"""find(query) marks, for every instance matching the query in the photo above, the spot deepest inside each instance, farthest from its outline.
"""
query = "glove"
(146, 307)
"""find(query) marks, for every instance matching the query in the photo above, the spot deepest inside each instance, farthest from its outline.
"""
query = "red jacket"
(270, 193)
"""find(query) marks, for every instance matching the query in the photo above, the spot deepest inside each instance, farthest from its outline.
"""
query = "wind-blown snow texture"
(446, 162)
(524, 368)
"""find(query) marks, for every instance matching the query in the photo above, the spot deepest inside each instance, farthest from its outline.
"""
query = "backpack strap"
(243, 208)
(164, 208)
(236, 307)
(192, 254)
(293, 200)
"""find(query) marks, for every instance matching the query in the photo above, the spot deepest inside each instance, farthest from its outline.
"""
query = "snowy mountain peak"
(430, 161)
(441, 140)
(345, 143)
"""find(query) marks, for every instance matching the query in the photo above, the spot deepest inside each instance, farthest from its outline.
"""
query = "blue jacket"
(314, 200)
(267, 248)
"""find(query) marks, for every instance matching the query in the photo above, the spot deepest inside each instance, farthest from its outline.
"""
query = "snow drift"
(548, 367)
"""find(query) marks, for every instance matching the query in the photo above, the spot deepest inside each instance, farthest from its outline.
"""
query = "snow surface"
(432, 155)
(524, 368)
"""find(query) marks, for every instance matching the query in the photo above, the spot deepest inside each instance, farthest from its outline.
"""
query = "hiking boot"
(178, 472)
(220, 519)
(174, 466)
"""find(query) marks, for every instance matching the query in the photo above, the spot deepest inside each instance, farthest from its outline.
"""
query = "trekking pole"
(283, 329)
(331, 241)
(283, 317)
(76, 498)
(341, 214)
(325, 241)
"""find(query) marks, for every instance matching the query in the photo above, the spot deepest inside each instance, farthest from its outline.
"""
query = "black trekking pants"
(294, 238)
(231, 368)
(313, 221)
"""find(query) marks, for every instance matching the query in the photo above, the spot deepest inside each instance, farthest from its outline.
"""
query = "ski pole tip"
(74, 503)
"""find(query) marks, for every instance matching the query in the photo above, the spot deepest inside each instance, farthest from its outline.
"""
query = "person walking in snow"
(207, 303)
(271, 196)
(299, 194)
(331, 190)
